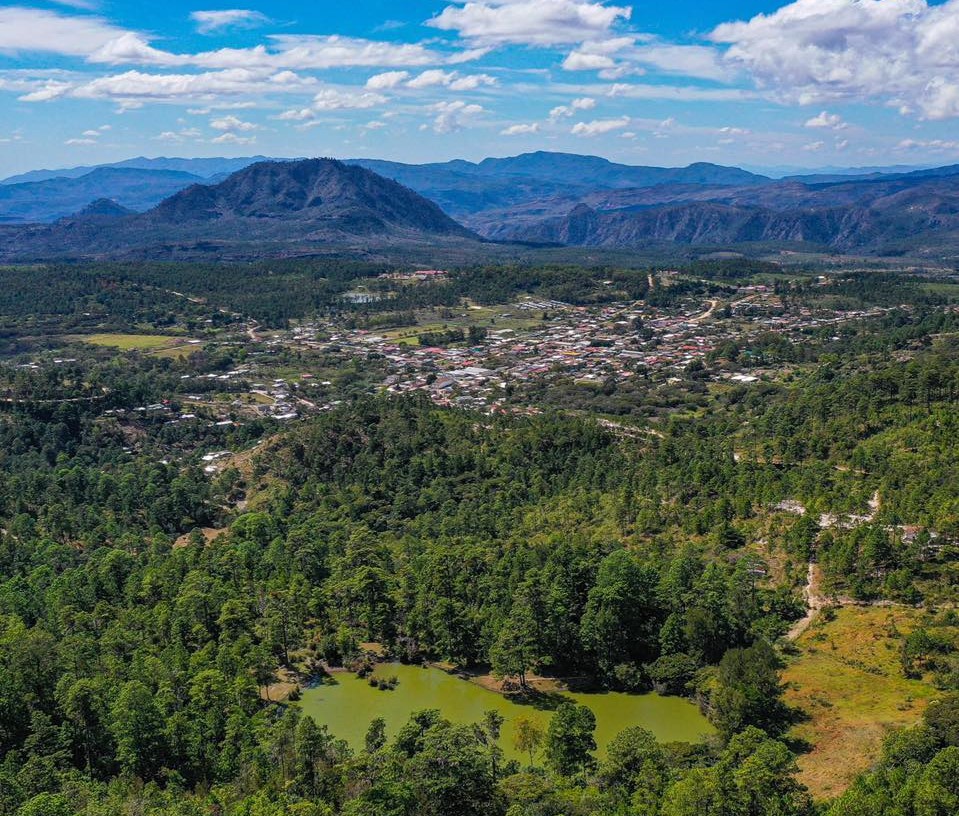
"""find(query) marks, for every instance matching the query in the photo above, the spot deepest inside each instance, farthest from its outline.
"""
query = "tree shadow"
(542, 700)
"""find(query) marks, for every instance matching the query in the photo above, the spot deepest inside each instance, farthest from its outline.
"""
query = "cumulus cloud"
(825, 119)
(211, 22)
(30, 29)
(286, 51)
(928, 144)
(582, 104)
(697, 61)
(530, 22)
(232, 138)
(450, 79)
(901, 52)
(387, 81)
(178, 136)
(599, 126)
(232, 124)
(334, 99)
(616, 57)
(520, 130)
(454, 116)
(685, 93)
(133, 87)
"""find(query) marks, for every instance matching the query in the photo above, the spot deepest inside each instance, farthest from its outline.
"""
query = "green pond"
(346, 704)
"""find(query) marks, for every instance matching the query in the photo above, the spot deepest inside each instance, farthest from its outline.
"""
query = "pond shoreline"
(346, 703)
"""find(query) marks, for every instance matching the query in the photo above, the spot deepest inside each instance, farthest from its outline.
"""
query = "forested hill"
(135, 654)
(266, 209)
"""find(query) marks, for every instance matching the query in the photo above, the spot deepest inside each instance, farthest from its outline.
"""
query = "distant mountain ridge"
(465, 189)
(132, 188)
(278, 207)
(203, 168)
(290, 206)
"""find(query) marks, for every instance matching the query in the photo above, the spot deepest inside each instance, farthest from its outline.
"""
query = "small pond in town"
(347, 704)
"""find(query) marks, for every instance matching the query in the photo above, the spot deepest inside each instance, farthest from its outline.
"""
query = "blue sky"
(751, 82)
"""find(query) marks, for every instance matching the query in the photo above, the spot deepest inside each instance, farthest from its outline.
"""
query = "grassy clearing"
(950, 290)
(158, 345)
(131, 342)
(849, 681)
(488, 317)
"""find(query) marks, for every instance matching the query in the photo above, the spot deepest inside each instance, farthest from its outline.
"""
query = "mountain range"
(168, 207)
(275, 208)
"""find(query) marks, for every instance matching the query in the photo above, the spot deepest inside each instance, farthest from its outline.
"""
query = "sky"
(757, 83)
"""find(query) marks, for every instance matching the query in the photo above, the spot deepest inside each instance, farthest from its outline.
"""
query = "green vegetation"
(848, 678)
(347, 704)
(152, 606)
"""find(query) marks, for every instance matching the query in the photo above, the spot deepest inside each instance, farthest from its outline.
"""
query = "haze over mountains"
(274, 208)
(536, 198)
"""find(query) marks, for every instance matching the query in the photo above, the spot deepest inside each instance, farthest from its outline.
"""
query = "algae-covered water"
(347, 704)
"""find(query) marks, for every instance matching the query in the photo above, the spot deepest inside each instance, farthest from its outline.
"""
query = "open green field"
(159, 345)
(488, 317)
(950, 290)
(848, 679)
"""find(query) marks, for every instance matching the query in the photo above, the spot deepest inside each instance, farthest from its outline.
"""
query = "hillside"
(203, 168)
(283, 207)
(466, 189)
(874, 216)
(269, 207)
(47, 200)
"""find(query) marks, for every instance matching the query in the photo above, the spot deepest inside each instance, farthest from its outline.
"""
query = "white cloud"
(582, 104)
(454, 116)
(471, 82)
(825, 119)
(80, 142)
(812, 147)
(599, 126)
(698, 61)
(582, 61)
(232, 124)
(928, 144)
(178, 136)
(286, 51)
(684, 93)
(387, 81)
(211, 22)
(530, 22)
(29, 29)
(901, 52)
(333, 99)
(297, 115)
(135, 87)
(232, 138)
(614, 57)
(520, 130)
(429, 78)
(450, 79)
